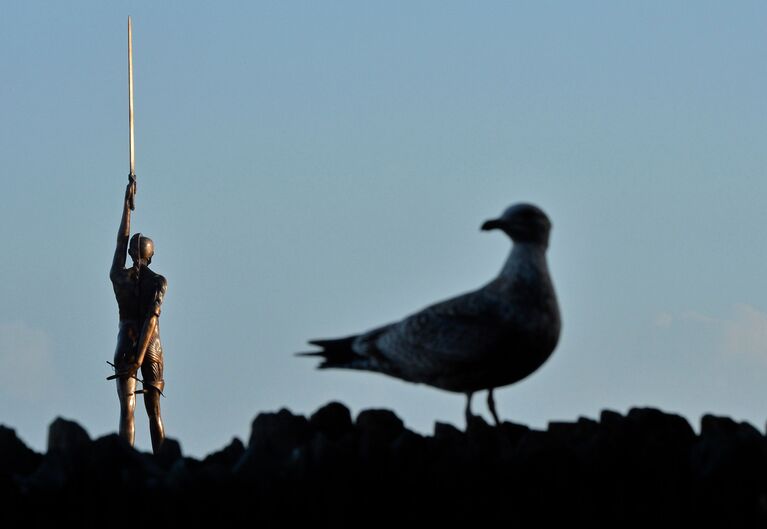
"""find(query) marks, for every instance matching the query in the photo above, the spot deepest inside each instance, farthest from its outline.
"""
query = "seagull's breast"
(528, 325)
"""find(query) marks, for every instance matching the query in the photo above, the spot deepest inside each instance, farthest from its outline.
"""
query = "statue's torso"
(137, 292)
(139, 295)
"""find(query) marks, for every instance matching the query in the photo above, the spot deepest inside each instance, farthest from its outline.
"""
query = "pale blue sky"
(313, 169)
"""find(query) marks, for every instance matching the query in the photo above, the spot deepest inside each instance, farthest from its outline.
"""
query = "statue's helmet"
(145, 244)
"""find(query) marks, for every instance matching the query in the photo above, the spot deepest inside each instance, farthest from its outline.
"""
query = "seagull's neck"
(526, 260)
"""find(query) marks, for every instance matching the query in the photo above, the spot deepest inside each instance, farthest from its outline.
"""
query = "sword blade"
(130, 98)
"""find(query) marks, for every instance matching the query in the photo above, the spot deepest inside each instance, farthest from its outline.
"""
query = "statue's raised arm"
(123, 233)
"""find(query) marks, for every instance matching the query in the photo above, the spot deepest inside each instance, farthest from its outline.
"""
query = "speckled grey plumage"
(484, 339)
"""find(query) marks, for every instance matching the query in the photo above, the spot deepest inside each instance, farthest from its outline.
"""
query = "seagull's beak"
(493, 224)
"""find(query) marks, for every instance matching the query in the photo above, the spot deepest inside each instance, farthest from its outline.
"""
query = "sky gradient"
(314, 169)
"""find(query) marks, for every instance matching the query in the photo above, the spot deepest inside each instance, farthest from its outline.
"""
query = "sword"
(132, 174)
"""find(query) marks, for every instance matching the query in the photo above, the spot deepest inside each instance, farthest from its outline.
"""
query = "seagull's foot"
(491, 405)
(469, 416)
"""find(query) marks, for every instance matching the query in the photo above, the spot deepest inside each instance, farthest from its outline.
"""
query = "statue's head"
(144, 244)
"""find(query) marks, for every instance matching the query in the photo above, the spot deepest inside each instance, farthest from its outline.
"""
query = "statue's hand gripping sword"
(132, 174)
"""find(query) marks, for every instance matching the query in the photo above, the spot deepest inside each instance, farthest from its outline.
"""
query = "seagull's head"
(524, 223)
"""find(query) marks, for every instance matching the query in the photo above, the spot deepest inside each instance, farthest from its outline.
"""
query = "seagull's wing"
(440, 339)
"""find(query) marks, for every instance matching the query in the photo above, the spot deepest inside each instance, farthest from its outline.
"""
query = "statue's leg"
(156, 429)
(153, 384)
(126, 388)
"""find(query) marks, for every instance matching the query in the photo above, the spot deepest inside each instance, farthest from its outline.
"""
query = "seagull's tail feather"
(337, 353)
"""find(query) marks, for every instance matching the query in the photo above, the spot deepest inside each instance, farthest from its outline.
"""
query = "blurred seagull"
(484, 339)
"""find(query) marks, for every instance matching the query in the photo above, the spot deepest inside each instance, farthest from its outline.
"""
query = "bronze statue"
(139, 292)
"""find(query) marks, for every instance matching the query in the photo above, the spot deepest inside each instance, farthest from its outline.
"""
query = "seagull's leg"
(468, 408)
(491, 405)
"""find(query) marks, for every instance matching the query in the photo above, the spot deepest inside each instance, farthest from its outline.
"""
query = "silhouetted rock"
(185, 475)
(67, 437)
(513, 432)
(377, 429)
(444, 431)
(409, 453)
(382, 423)
(226, 457)
(15, 457)
(276, 449)
(66, 461)
(333, 419)
(170, 452)
(278, 434)
(729, 466)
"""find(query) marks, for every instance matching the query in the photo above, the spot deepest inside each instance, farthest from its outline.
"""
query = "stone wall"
(645, 468)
